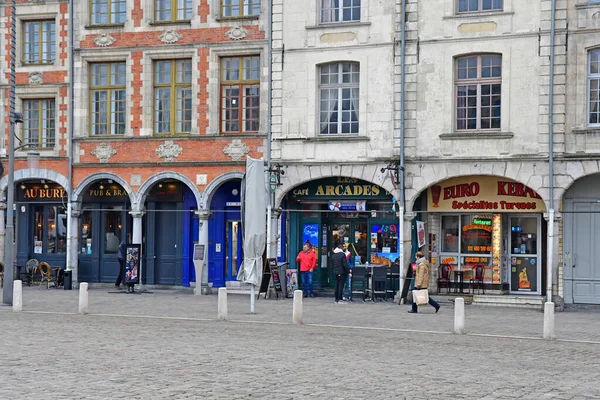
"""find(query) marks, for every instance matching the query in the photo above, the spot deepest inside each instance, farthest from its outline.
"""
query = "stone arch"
(296, 175)
(154, 179)
(422, 176)
(26, 173)
(78, 192)
(215, 184)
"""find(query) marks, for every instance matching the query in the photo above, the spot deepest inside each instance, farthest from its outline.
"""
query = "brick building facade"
(169, 99)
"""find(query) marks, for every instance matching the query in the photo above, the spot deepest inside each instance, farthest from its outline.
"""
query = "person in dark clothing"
(340, 271)
(121, 257)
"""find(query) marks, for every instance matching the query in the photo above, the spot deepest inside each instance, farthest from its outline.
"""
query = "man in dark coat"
(121, 257)
(339, 263)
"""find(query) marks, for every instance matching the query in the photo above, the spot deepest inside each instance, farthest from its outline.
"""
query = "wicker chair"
(31, 268)
(46, 274)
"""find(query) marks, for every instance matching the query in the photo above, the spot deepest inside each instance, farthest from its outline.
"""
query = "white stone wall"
(301, 44)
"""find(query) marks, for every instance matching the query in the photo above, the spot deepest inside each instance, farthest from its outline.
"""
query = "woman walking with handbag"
(422, 281)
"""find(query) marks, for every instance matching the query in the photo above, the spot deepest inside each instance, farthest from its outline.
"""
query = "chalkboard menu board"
(275, 275)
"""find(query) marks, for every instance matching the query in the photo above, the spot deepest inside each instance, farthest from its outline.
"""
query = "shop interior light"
(23, 186)
(160, 185)
(101, 186)
(120, 226)
(46, 186)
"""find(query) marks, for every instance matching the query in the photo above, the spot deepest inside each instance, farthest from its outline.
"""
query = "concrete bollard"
(83, 298)
(222, 304)
(17, 302)
(459, 315)
(297, 307)
(549, 320)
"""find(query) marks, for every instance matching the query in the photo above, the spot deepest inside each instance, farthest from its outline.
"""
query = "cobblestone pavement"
(65, 356)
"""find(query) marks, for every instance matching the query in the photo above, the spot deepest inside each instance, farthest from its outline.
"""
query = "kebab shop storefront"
(492, 222)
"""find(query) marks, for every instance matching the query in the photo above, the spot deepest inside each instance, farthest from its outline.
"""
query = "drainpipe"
(71, 230)
(550, 246)
(401, 166)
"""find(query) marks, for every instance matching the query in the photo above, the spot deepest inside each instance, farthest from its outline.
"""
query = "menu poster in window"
(37, 247)
(523, 274)
(421, 233)
(132, 263)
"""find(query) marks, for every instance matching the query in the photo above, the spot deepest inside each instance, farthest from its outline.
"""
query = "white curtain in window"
(329, 10)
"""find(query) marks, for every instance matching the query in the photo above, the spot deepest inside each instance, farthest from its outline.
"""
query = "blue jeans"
(307, 286)
(348, 288)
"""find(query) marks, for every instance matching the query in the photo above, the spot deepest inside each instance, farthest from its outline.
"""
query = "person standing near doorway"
(422, 281)
(121, 257)
(348, 288)
(308, 262)
(339, 263)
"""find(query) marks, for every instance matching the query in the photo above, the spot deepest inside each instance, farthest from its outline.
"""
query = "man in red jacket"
(308, 262)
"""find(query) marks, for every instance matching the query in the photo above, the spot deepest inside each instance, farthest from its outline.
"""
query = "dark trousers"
(432, 303)
(340, 280)
(121, 269)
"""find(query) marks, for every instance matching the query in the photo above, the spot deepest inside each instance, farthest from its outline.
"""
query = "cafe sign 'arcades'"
(339, 188)
(483, 193)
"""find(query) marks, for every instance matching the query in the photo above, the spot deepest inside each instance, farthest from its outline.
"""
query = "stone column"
(2, 230)
(557, 279)
(202, 281)
(73, 238)
(136, 238)
(272, 241)
(407, 249)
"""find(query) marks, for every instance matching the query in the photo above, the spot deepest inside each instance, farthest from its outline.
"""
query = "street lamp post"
(15, 118)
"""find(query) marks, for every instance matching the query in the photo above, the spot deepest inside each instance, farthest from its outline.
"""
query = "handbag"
(421, 296)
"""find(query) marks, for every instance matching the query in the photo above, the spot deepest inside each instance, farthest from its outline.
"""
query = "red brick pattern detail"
(193, 150)
(137, 13)
(204, 10)
(62, 37)
(203, 67)
(136, 98)
(190, 36)
(63, 120)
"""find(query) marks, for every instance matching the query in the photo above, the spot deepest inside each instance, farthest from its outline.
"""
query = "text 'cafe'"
(491, 222)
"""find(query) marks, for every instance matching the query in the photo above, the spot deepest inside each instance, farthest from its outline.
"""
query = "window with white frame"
(478, 92)
(340, 11)
(239, 8)
(594, 88)
(108, 11)
(107, 98)
(39, 41)
(39, 123)
(479, 5)
(339, 87)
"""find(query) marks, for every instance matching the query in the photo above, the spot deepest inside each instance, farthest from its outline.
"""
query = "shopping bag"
(421, 296)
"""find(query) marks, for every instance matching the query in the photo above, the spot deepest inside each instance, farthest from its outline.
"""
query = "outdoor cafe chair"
(46, 274)
(379, 281)
(393, 276)
(444, 278)
(477, 278)
(31, 268)
(359, 276)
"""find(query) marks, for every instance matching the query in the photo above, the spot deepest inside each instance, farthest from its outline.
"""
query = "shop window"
(173, 96)
(594, 88)
(108, 11)
(450, 234)
(85, 237)
(340, 11)
(523, 235)
(240, 94)
(107, 94)
(478, 92)
(173, 10)
(465, 6)
(339, 98)
(49, 230)
(240, 8)
(476, 234)
(39, 42)
(113, 227)
(39, 123)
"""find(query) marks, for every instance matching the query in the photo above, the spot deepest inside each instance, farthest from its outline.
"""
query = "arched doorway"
(581, 241)
(225, 253)
(104, 222)
(41, 221)
(484, 223)
(341, 209)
